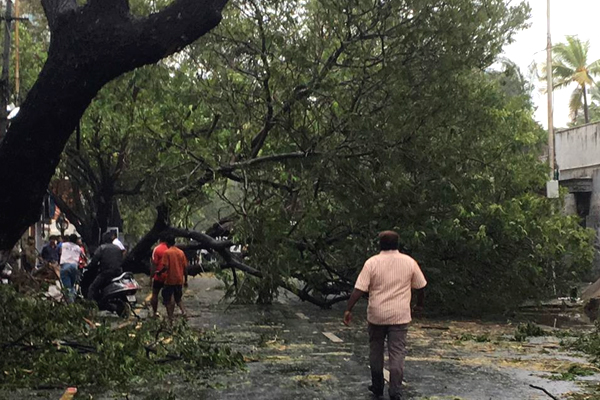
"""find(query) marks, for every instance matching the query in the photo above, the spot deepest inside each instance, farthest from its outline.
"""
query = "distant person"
(107, 262)
(30, 255)
(83, 259)
(117, 242)
(13, 257)
(174, 264)
(388, 279)
(158, 280)
(69, 260)
(50, 253)
(60, 239)
(51, 256)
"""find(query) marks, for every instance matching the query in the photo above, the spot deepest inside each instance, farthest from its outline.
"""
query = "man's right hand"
(347, 317)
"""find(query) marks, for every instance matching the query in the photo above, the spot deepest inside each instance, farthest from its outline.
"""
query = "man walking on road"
(173, 270)
(388, 278)
(158, 280)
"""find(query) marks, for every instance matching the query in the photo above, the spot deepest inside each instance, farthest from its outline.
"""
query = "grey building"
(578, 162)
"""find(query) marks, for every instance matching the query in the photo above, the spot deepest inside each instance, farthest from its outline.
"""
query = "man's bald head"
(388, 240)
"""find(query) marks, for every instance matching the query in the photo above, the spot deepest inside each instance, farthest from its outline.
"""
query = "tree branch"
(171, 29)
(220, 246)
(267, 159)
(303, 295)
(137, 189)
(56, 9)
(109, 6)
(259, 140)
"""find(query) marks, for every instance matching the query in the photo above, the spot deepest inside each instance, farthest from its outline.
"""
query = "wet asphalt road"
(289, 357)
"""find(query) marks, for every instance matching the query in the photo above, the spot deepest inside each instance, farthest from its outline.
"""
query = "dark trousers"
(396, 336)
(102, 280)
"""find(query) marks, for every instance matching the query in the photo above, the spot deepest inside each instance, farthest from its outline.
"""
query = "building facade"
(578, 162)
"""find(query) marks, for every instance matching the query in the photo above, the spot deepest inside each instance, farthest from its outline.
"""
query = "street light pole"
(550, 108)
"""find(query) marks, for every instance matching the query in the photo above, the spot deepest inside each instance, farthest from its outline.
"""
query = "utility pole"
(17, 61)
(552, 186)
(550, 108)
(4, 84)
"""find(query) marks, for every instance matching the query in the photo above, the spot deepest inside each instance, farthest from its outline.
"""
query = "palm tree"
(593, 107)
(570, 65)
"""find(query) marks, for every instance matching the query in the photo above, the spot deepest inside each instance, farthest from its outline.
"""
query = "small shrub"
(573, 372)
(475, 338)
(589, 343)
(529, 329)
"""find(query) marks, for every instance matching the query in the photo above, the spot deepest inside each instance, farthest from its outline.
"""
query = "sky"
(568, 17)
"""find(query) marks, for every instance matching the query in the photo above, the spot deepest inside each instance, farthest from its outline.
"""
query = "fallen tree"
(137, 259)
(90, 45)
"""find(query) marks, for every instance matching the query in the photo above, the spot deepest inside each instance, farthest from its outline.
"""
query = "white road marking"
(301, 316)
(332, 337)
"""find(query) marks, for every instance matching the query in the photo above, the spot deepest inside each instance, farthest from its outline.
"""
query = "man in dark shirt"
(107, 260)
(50, 252)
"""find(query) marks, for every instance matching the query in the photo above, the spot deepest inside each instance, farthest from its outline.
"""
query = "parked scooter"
(118, 296)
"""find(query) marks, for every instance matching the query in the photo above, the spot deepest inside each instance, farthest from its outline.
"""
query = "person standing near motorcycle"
(30, 255)
(174, 265)
(107, 260)
(158, 280)
(69, 259)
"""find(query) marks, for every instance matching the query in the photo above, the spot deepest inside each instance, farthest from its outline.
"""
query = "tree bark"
(90, 45)
(138, 259)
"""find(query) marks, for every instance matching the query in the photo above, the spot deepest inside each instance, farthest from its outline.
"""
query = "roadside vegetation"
(51, 344)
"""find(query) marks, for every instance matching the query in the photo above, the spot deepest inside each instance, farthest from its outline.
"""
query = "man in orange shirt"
(388, 278)
(173, 270)
(158, 280)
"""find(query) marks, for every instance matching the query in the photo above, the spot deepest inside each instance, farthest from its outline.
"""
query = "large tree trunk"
(90, 46)
(138, 258)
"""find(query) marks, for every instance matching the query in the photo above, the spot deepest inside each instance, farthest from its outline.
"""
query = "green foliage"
(50, 343)
(529, 329)
(411, 137)
(476, 338)
(574, 371)
(589, 343)
(319, 124)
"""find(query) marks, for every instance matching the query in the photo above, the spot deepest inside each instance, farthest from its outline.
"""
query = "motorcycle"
(118, 296)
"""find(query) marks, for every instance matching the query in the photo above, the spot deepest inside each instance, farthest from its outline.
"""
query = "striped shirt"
(388, 278)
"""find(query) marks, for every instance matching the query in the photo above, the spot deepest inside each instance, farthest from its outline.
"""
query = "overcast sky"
(569, 17)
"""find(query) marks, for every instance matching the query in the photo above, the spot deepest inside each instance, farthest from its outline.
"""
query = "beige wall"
(578, 151)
